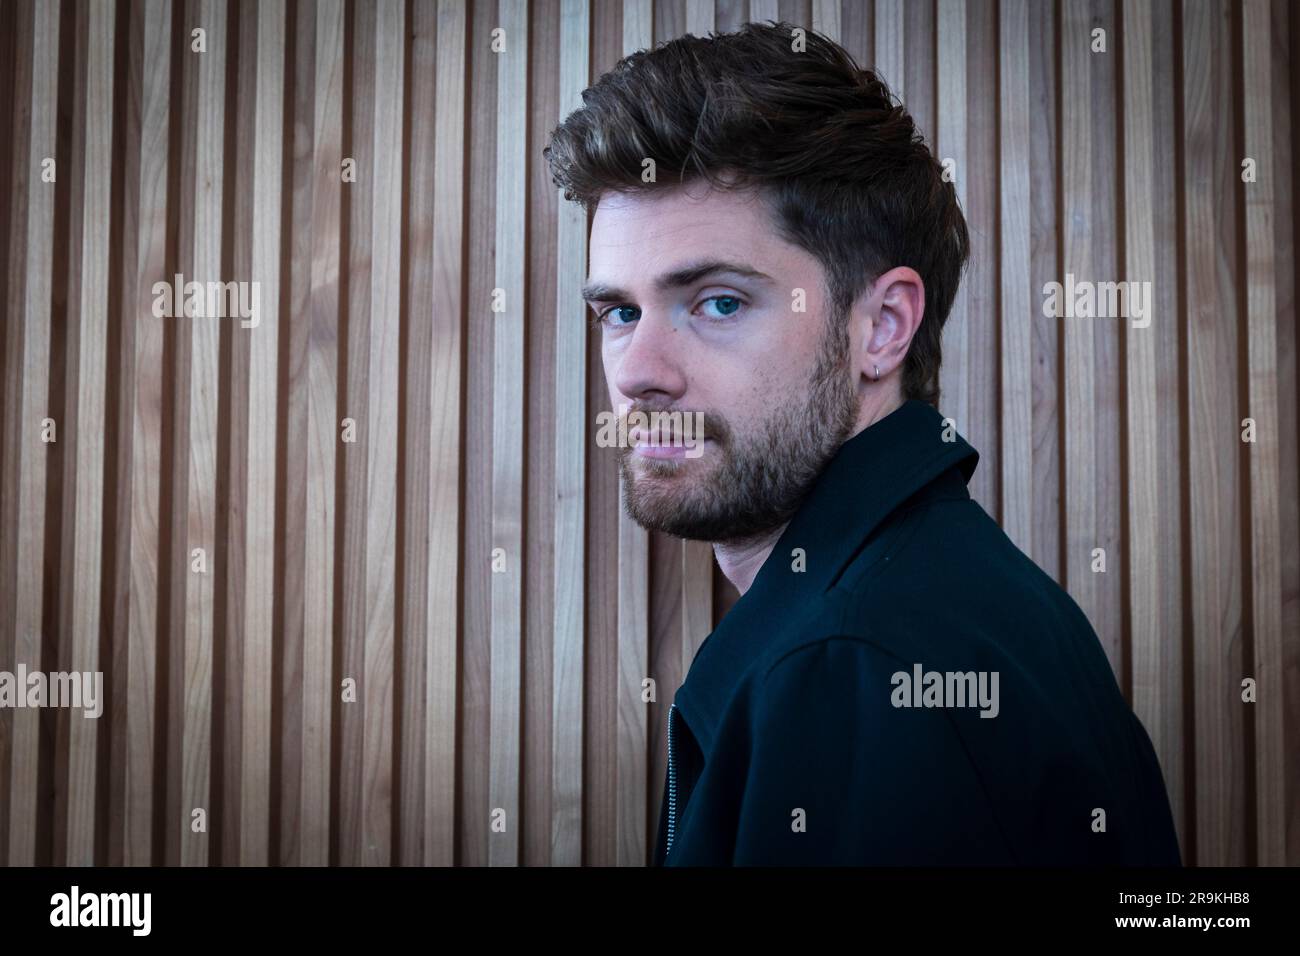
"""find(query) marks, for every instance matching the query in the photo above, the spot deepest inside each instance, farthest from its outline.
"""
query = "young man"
(775, 249)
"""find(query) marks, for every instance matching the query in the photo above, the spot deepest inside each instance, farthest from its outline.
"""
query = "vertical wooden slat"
(826, 18)
(291, 490)
(919, 68)
(129, 308)
(1214, 440)
(359, 191)
(254, 811)
(699, 17)
(763, 10)
(382, 431)
(568, 686)
(890, 36)
(1262, 360)
(950, 139)
(1107, 421)
(352, 750)
(633, 668)
(15, 120)
(475, 739)
(83, 528)
(697, 598)
(856, 33)
(1045, 268)
(412, 542)
(200, 532)
(15, 116)
(180, 255)
(1078, 173)
(146, 451)
(229, 686)
(1167, 724)
(600, 602)
(1016, 313)
(507, 432)
(1153, 508)
(979, 195)
(27, 481)
(541, 416)
(441, 690)
(1153, 654)
(323, 432)
(1286, 165)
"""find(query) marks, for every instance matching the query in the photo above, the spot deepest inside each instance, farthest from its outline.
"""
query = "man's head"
(786, 161)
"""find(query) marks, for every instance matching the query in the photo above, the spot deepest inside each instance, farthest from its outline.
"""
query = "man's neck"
(741, 560)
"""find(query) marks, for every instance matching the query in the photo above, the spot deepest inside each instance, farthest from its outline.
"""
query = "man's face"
(773, 385)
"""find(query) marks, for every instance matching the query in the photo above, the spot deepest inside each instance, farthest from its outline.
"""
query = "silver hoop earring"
(877, 368)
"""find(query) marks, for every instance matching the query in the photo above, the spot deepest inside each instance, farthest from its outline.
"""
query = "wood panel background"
(464, 561)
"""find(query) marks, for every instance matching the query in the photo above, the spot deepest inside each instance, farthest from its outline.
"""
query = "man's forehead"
(695, 198)
(656, 231)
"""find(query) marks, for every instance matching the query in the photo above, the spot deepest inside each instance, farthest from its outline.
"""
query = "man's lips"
(638, 437)
(660, 451)
(665, 448)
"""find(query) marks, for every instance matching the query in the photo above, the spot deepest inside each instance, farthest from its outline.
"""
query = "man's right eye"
(613, 314)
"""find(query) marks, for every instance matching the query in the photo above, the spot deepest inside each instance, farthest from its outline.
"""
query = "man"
(898, 683)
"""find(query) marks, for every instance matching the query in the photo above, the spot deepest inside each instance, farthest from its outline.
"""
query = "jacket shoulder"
(946, 580)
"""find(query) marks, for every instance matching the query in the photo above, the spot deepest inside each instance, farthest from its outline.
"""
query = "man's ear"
(884, 321)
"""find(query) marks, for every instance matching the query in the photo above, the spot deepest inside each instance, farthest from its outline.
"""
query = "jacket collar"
(869, 477)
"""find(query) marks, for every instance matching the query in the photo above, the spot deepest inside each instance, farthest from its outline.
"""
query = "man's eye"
(616, 316)
(725, 306)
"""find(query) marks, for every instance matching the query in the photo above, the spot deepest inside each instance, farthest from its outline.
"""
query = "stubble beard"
(746, 486)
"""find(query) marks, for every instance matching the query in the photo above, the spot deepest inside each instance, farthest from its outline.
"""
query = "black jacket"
(810, 731)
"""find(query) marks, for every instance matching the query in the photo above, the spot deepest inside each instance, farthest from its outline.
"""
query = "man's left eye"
(725, 305)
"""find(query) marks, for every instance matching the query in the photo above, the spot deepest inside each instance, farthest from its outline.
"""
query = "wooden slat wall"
(422, 627)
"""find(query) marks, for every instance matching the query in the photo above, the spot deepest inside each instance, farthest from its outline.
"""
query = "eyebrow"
(685, 276)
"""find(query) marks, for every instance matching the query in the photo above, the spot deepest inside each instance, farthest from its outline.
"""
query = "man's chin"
(684, 497)
(657, 496)
(676, 525)
(669, 507)
(680, 523)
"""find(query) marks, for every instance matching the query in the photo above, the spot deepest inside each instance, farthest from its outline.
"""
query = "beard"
(756, 481)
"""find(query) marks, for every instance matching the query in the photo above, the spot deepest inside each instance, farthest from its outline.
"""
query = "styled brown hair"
(838, 161)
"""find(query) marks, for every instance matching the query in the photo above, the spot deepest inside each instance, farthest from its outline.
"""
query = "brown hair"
(839, 162)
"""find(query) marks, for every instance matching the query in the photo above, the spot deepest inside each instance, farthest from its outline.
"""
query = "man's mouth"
(670, 452)
(666, 447)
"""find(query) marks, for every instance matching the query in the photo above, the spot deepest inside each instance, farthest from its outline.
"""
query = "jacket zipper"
(672, 783)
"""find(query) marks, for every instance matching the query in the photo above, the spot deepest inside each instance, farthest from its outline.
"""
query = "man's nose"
(652, 361)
